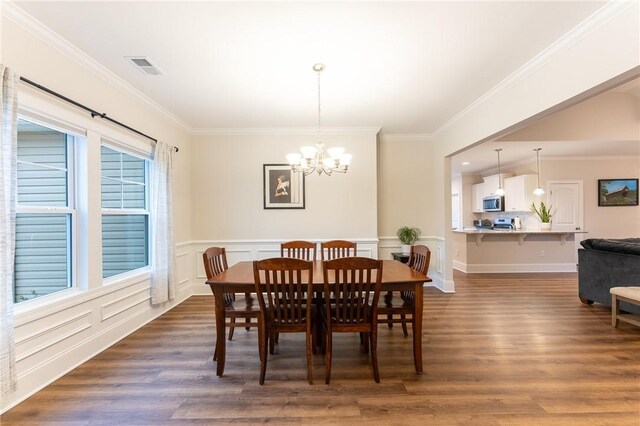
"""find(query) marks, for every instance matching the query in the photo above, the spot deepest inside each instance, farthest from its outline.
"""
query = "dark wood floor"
(505, 349)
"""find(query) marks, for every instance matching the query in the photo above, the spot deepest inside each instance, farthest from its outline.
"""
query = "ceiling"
(483, 158)
(407, 67)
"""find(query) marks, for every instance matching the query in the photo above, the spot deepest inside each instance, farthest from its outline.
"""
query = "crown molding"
(579, 32)
(44, 33)
(406, 137)
(592, 158)
(285, 131)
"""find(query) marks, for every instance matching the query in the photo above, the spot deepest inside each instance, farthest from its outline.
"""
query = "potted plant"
(407, 236)
(544, 214)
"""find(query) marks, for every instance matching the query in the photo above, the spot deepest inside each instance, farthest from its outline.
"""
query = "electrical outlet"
(541, 253)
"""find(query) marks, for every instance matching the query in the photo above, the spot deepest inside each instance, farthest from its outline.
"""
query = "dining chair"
(284, 288)
(336, 249)
(351, 291)
(392, 310)
(215, 262)
(304, 250)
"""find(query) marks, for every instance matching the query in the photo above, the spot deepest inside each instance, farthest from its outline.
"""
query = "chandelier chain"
(319, 109)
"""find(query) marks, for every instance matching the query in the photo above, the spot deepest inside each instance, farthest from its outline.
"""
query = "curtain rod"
(93, 112)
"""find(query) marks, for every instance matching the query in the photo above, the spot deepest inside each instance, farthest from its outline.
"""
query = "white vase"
(545, 226)
(406, 248)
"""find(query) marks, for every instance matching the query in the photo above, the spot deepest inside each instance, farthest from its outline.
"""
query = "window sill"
(128, 277)
(32, 310)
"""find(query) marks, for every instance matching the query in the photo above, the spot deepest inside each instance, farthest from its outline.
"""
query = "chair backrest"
(419, 259)
(337, 248)
(352, 289)
(303, 250)
(284, 289)
(215, 261)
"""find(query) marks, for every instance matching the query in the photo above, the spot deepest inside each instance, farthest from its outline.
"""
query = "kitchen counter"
(521, 233)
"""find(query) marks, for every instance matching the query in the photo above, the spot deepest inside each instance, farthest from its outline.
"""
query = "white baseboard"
(515, 268)
(460, 266)
(57, 366)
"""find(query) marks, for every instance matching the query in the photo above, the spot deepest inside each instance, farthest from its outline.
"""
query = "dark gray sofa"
(603, 264)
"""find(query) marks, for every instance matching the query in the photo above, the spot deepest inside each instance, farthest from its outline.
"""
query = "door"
(567, 210)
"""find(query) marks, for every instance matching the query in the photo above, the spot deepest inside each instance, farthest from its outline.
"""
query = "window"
(45, 213)
(125, 215)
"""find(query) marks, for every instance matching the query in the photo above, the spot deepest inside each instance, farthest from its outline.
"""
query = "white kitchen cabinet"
(492, 183)
(477, 192)
(519, 193)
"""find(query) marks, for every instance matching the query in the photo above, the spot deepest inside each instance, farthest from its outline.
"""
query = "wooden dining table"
(238, 278)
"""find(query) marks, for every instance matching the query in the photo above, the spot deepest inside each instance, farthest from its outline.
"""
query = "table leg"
(221, 341)
(417, 328)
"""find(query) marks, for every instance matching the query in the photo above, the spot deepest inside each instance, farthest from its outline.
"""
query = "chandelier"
(318, 158)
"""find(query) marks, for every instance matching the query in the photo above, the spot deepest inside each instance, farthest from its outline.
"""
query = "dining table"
(396, 276)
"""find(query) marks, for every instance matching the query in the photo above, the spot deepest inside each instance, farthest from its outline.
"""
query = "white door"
(567, 209)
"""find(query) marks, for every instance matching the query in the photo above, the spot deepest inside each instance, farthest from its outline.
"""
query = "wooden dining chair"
(336, 249)
(394, 310)
(351, 292)
(215, 262)
(303, 250)
(284, 287)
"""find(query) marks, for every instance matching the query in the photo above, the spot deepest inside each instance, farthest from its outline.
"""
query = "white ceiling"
(483, 158)
(407, 67)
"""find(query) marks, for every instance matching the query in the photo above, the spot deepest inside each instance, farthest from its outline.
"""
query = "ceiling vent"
(144, 64)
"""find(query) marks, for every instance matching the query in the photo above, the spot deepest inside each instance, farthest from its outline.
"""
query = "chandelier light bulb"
(500, 191)
(538, 191)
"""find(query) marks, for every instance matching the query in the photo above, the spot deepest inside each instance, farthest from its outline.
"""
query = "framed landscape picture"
(617, 192)
(283, 188)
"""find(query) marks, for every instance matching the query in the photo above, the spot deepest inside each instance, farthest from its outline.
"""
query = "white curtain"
(162, 280)
(8, 191)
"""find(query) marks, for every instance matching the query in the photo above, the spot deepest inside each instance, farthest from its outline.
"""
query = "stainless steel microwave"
(493, 203)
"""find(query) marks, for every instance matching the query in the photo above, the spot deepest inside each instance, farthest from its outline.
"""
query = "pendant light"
(499, 191)
(538, 191)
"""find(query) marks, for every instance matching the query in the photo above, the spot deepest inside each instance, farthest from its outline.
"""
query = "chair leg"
(247, 321)
(374, 353)
(272, 338)
(309, 362)
(263, 350)
(215, 353)
(327, 356)
(366, 342)
(404, 325)
(231, 328)
(614, 310)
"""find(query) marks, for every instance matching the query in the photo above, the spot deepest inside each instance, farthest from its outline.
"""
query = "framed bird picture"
(283, 188)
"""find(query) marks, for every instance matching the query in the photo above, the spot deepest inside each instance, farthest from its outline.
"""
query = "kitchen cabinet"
(477, 192)
(519, 193)
(492, 183)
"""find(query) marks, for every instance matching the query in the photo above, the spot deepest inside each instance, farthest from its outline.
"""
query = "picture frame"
(282, 187)
(617, 192)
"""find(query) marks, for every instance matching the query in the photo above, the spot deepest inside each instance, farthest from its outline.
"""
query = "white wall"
(226, 172)
(603, 49)
(55, 337)
(405, 196)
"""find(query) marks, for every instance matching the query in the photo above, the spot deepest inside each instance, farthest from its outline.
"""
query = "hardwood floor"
(505, 349)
